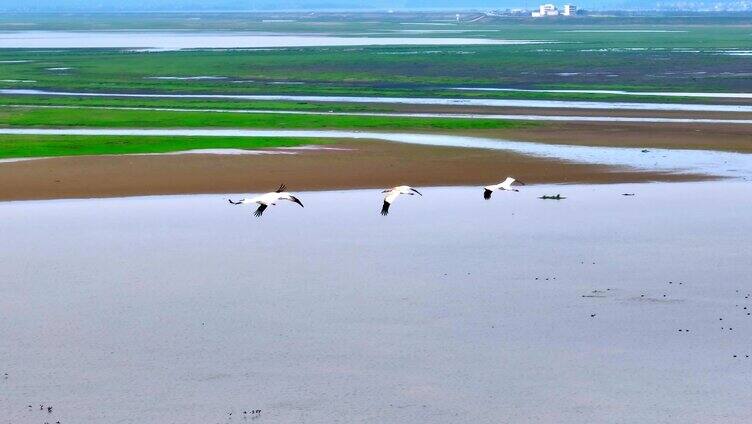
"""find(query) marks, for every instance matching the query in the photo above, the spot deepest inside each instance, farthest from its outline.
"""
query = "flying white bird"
(265, 200)
(506, 185)
(393, 193)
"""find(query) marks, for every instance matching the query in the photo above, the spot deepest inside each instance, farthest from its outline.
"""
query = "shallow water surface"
(707, 95)
(625, 30)
(555, 104)
(450, 310)
(717, 163)
(164, 40)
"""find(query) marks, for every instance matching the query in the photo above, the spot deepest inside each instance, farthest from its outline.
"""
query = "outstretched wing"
(487, 194)
(296, 200)
(235, 203)
(281, 188)
(391, 196)
(260, 210)
(385, 208)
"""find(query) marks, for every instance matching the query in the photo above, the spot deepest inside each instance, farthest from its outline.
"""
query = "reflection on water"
(727, 164)
(451, 310)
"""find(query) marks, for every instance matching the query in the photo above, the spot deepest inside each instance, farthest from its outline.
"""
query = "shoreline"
(480, 102)
(363, 165)
(568, 127)
(510, 114)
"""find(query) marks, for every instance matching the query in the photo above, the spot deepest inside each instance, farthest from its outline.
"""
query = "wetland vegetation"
(661, 54)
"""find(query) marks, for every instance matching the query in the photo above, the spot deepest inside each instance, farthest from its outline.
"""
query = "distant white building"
(546, 10)
(570, 10)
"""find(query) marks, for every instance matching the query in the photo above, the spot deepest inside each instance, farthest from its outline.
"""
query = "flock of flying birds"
(390, 195)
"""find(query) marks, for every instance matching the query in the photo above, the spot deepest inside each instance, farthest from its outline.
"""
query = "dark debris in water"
(555, 197)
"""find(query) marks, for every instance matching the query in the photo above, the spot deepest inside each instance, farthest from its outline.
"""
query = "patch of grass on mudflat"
(21, 117)
(25, 146)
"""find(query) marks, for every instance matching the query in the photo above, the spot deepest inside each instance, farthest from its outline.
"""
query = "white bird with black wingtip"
(268, 199)
(505, 185)
(391, 194)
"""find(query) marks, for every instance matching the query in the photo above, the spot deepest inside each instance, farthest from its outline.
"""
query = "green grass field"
(36, 146)
(26, 146)
(691, 56)
(56, 118)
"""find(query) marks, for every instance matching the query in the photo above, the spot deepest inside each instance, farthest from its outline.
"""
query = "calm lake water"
(195, 40)
(451, 310)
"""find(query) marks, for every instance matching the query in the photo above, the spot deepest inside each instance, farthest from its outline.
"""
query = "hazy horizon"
(282, 5)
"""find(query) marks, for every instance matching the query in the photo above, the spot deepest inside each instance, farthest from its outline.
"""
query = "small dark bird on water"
(557, 197)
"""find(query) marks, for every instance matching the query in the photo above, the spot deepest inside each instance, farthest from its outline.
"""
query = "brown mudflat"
(366, 164)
